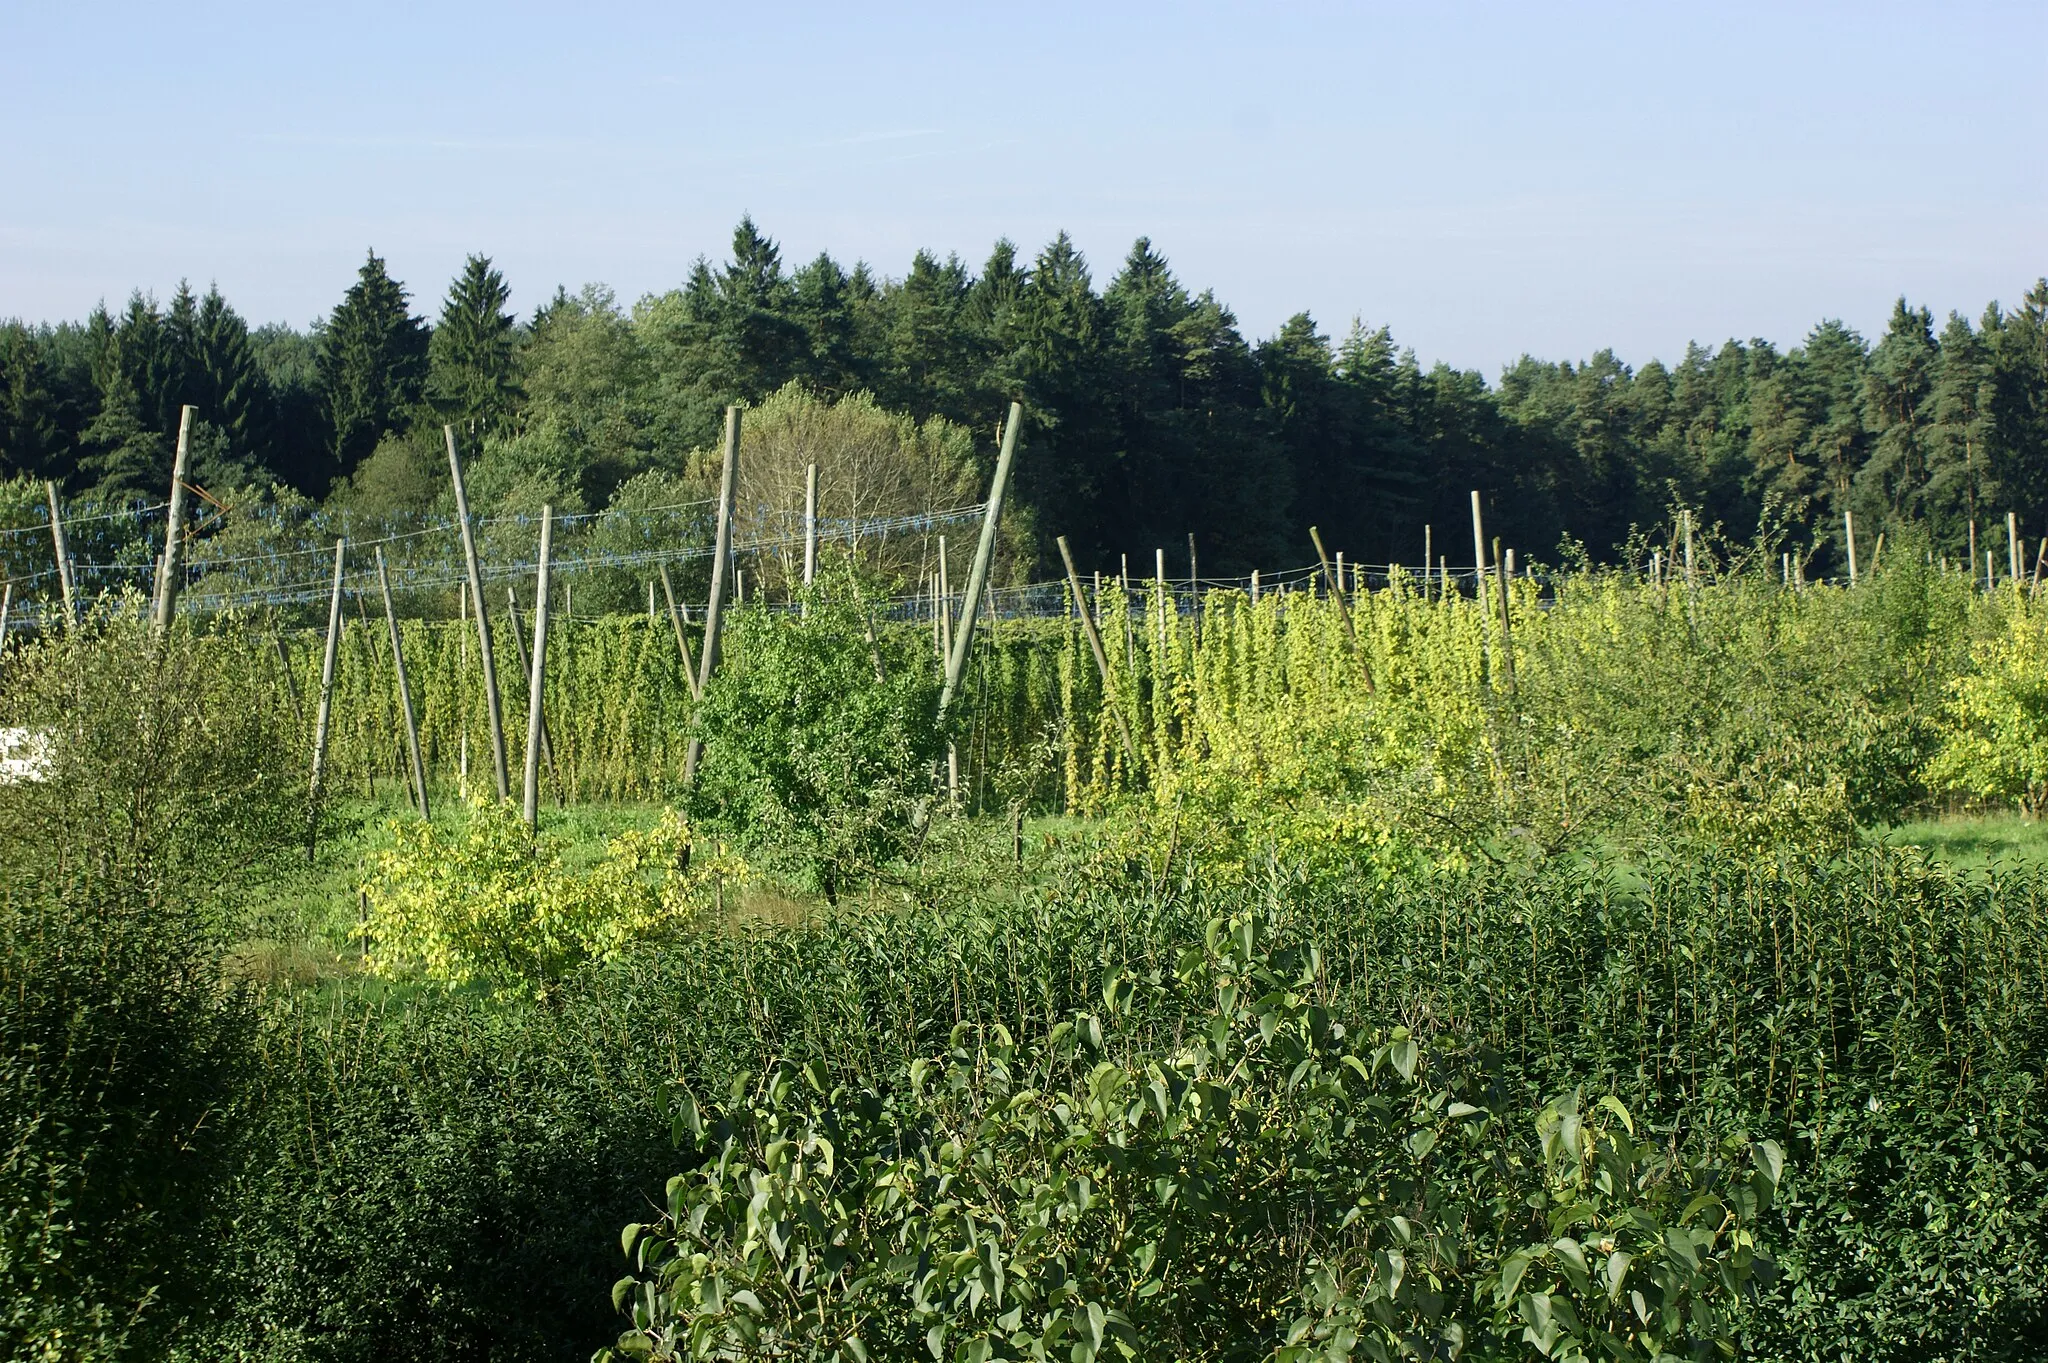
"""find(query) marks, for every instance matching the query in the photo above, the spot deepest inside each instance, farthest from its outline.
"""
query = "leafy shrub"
(821, 740)
(1994, 745)
(168, 792)
(494, 902)
(1273, 1186)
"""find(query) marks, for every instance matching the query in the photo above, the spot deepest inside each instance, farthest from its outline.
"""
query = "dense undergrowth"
(1600, 945)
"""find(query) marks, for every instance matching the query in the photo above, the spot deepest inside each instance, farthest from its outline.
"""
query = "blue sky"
(1485, 179)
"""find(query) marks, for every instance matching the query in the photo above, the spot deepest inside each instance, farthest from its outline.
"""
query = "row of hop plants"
(619, 707)
(1740, 711)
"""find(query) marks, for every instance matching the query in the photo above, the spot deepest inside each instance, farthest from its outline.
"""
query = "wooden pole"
(1428, 558)
(714, 611)
(492, 702)
(810, 523)
(1479, 558)
(2035, 586)
(412, 727)
(537, 674)
(62, 547)
(1255, 586)
(1876, 553)
(6, 608)
(650, 600)
(1088, 627)
(324, 714)
(1344, 610)
(291, 685)
(945, 609)
(1507, 640)
(1849, 538)
(675, 621)
(461, 679)
(1163, 600)
(2012, 543)
(1973, 551)
(984, 553)
(547, 737)
(170, 571)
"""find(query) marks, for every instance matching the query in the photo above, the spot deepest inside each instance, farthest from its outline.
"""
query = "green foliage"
(821, 739)
(373, 363)
(494, 902)
(121, 1048)
(1995, 742)
(1276, 1185)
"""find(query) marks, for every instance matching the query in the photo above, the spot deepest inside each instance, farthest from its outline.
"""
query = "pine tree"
(1959, 484)
(471, 377)
(2019, 403)
(823, 306)
(1897, 390)
(28, 406)
(373, 364)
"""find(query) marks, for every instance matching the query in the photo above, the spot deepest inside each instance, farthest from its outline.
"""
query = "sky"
(1488, 180)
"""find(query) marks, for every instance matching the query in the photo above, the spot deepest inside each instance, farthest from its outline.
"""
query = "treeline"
(1152, 415)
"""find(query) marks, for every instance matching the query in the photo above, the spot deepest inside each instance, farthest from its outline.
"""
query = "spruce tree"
(1959, 484)
(1897, 391)
(28, 406)
(373, 364)
(2019, 403)
(471, 378)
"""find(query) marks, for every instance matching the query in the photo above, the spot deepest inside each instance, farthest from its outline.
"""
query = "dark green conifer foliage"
(373, 364)
(2019, 351)
(472, 380)
(1959, 438)
(28, 405)
(1897, 393)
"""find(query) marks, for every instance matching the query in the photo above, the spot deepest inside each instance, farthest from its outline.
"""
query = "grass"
(1974, 841)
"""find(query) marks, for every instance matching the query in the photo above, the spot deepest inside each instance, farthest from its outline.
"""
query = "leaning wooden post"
(6, 608)
(62, 547)
(492, 703)
(325, 712)
(170, 570)
(977, 576)
(547, 737)
(1343, 609)
(945, 616)
(1479, 558)
(714, 611)
(810, 523)
(2035, 587)
(1849, 537)
(412, 727)
(1087, 615)
(538, 671)
(675, 621)
(1507, 641)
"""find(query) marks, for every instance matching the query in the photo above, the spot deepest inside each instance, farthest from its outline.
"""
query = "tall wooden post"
(1428, 559)
(325, 713)
(1479, 558)
(1507, 640)
(675, 621)
(412, 726)
(1164, 599)
(61, 545)
(810, 523)
(6, 608)
(2012, 544)
(1690, 579)
(170, 571)
(492, 702)
(519, 655)
(1849, 538)
(984, 552)
(1088, 627)
(945, 608)
(714, 611)
(537, 674)
(1343, 609)
(1973, 551)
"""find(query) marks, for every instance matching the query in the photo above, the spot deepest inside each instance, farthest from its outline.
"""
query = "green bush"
(121, 1046)
(821, 740)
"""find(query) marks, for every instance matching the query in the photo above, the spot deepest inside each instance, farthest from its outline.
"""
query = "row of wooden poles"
(698, 670)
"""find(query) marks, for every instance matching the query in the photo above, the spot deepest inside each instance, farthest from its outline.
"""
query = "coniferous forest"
(1153, 415)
